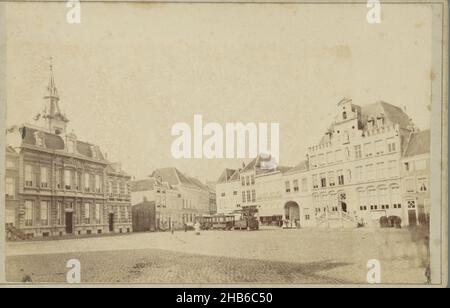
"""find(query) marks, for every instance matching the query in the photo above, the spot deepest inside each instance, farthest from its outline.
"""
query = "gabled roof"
(391, 113)
(226, 175)
(418, 143)
(142, 185)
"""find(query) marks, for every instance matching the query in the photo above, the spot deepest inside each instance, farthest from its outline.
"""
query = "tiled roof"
(142, 185)
(173, 176)
(392, 114)
(302, 166)
(226, 175)
(418, 143)
(56, 142)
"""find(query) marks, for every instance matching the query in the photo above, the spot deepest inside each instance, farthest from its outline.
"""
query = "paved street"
(265, 256)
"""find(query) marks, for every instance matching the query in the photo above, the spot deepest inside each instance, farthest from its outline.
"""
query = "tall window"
(253, 195)
(252, 179)
(339, 155)
(379, 146)
(362, 198)
(383, 198)
(243, 196)
(60, 213)
(304, 184)
(321, 159)
(10, 187)
(392, 146)
(395, 197)
(368, 149)
(380, 170)
(126, 213)
(340, 174)
(358, 152)
(243, 180)
(87, 182)
(315, 181)
(44, 177)
(249, 197)
(29, 213)
(392, 168)
(313, 160)
(97, 183)
(296, 188)
(29, 176)
(288, 186)
(68, 179)
(97, 213)
(359, 174)
(372, 198)
(58, 179)
(323, 180)
(331, 181)
(422, 184)
(87, 213)
(370, 172)
(330, 157)
(44, 213)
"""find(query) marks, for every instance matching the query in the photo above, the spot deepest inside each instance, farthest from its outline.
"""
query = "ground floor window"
(29, 213)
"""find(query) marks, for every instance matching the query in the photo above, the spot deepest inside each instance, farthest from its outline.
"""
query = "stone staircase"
(335, 219)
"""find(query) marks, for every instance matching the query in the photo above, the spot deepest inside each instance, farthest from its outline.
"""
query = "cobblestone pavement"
(264, 256)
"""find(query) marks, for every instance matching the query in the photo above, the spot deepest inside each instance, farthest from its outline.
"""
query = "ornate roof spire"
(56, 120)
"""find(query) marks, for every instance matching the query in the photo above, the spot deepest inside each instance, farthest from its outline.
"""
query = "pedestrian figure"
(171, 227)
(185, 227)
(197, 228)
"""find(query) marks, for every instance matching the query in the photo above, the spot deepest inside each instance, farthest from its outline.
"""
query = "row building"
(371, 162)
(178, 198)
(58, 185)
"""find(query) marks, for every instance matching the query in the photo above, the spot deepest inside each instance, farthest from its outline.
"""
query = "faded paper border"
(438, 154)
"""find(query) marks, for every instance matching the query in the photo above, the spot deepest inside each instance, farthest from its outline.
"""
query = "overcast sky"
(128, 72)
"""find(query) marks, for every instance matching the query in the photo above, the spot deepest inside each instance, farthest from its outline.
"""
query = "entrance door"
(69, 222)
(412, 217)
(344, 206)
(111, 222)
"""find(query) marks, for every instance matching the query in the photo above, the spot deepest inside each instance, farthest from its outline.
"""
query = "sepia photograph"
(224, 143)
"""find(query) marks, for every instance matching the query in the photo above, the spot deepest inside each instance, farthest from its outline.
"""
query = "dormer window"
(94, 152)
(39, 139)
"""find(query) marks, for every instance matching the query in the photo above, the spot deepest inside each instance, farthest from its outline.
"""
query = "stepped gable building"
(62, 184)
(179, 198)
(363, 168)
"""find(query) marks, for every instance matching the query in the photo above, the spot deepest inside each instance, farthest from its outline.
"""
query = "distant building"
(60, 182)
(351, 176)
(179, 198)
(416, 177)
